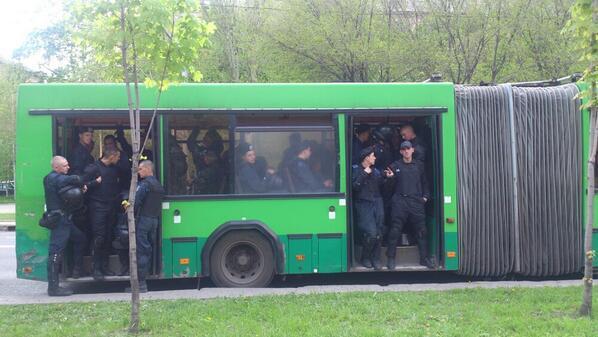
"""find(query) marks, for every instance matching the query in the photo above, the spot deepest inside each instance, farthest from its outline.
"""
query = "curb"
(7, 226)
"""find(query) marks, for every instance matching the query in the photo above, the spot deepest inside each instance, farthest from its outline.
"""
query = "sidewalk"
(36, 291)
(7, 225)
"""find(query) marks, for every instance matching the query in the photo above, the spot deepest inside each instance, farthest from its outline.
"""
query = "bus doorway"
(385, 134)
(108, 131)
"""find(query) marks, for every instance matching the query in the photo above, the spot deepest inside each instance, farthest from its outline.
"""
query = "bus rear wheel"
(242, 259)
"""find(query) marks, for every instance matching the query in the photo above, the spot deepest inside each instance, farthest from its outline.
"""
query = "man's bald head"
(146, 168)
(407, 132)
(60, 164)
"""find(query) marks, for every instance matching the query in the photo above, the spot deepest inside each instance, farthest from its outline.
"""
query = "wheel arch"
(232, 226)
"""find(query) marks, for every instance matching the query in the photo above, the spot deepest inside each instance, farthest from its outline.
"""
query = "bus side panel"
(310, 216)
(449, 180)
(33, 155)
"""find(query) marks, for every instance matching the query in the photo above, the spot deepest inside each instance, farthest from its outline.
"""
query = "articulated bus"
(505, 165)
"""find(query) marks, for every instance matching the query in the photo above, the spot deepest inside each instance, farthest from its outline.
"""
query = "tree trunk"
(586, 306)
(134, 324)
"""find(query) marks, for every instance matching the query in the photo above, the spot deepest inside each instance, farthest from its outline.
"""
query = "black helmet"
(382, 133)
(72, 197)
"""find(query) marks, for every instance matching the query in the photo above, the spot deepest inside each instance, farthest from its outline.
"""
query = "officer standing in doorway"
(361, 140)
(148, 205)
(81, 154)
(369, 207)
(410, 196)
(419, 149)
(123, 165)
(104, 190)
(63, 194)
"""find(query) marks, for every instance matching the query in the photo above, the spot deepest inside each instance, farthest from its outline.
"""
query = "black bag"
(50, 219)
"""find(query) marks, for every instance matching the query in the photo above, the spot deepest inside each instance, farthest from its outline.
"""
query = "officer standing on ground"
(148, 204)
(410, 196)
(81, 154)
(56, 185)
(369, 207)
(102, 204)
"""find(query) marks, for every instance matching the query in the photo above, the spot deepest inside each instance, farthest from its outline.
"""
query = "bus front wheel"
(242, 259)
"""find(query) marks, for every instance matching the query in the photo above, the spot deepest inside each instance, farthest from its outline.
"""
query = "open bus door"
(426, 124)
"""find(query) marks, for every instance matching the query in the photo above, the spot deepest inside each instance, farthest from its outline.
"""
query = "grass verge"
(7, 217)
(473, 312)
(7, 200)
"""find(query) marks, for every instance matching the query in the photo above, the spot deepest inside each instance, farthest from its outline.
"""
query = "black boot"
(142, 287)
(76, 272)
(97, 267)
(106, 268)
(77, 267)
(366, 252)
(428, 261)
(53, 273)
(391, 263)
(124, 270)
(376, 251)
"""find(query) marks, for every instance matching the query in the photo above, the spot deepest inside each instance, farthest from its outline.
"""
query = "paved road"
(7, 208)
(14, 291)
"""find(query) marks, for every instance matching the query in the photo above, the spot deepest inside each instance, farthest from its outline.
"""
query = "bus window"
(197, 150)
(293, 161)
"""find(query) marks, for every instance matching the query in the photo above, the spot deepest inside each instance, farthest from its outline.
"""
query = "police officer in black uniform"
(410, 196)
(80, 156)
(123, 165)
(148, 205)
(419, 148)
(251, 179)
(304, 180)
(361, 140)
(104, 190)
(369, 207)
(63, 194)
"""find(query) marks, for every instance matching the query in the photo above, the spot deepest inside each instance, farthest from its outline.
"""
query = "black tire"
(242, 259)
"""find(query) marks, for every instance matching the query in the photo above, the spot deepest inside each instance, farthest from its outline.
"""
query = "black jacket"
(420, 150)
(304, 179)
(106, 191)
(53, 182)
(79, 159)
(410, 179)
(366, 186)
(148, 197)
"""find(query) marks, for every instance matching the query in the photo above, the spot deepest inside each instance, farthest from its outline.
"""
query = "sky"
(18, 18)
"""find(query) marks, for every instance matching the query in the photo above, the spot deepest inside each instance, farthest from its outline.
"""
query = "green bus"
(505, 165)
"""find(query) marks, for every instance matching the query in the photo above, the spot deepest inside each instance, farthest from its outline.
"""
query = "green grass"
(7, 217)
(7, 200)
(478, 312)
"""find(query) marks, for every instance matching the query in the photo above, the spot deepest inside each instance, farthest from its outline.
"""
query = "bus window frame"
(333, 126)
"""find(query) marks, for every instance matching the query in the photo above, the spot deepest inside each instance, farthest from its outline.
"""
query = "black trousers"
(370, 217)
(102, 217)
(145, 235)
(407, 210)
(59, 238)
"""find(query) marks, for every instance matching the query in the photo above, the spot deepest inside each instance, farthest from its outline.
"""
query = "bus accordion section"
(520, 180)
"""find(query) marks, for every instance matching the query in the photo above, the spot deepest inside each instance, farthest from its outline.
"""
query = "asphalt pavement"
(17, 291)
